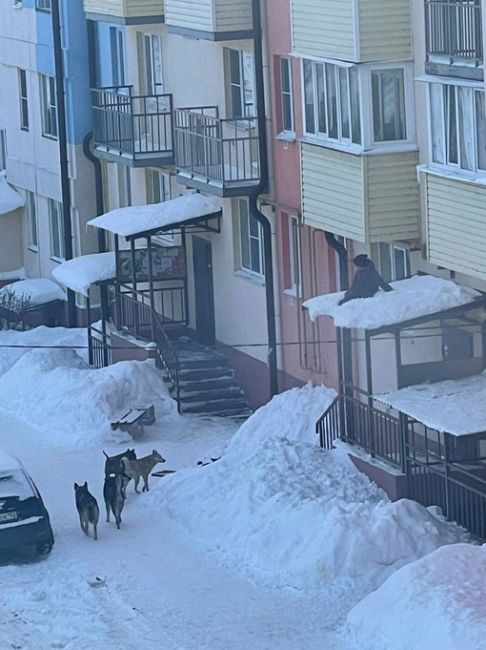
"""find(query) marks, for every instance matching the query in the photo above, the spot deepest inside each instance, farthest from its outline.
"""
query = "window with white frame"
(3, 149)
(286, 96)
(358, 106)
(31, 215)
(150, 57)
(294, 254)
(251, 241)
(332, 101)
(24, 100)
(56, 226)
(393, 261)
(241, 84)
(44, 5)
(48, 105)
(458, 126)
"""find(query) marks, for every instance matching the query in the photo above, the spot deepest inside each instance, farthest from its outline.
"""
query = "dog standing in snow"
(114, 496)
(87, 508)
(136, 468)
(113, 466)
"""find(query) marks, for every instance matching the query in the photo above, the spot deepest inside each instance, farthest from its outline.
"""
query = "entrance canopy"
(144, 220)
(455, 406)
(81, 272)
(10, 199)
(416, 298)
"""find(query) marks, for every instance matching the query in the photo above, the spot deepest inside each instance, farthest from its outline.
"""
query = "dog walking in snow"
(87, 508)
(141, 467)
(113, 466)
(114, 496)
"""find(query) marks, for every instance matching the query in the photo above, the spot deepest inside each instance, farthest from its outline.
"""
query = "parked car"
(24, 520)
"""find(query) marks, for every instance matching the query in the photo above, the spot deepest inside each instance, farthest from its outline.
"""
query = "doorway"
(204, 291)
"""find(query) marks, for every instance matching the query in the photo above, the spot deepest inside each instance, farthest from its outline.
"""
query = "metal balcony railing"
(224, 151)
(453, 30)
(136, 126)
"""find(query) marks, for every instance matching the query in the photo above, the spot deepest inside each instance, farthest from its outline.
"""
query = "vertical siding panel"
(385, 29)
(456, 225)
(125, 8)
(233, 15)
(191, 14)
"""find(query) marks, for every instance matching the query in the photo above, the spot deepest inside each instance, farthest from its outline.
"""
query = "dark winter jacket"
(366, 281)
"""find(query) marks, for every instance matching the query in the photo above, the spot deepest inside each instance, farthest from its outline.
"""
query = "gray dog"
(87, 508)
(114, 496)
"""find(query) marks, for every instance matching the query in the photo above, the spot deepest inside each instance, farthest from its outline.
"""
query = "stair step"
(200, 374)
(211, 383)
(191, 363)
(210, 395)
(216, 406)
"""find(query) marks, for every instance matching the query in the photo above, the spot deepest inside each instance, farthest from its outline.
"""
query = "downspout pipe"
(345, 359)
(260, 188)
(100, 208)
(63, 157)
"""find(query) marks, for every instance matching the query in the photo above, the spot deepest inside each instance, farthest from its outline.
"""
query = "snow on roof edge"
(79, 273)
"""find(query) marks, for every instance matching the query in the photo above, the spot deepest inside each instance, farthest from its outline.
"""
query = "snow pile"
(81, 272)
(37, 290)
(294, 514)
(437, 602)
(72, 402)
(417, 296)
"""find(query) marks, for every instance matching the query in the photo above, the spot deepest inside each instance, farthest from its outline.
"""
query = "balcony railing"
(138, 128)
(453, 30)
(209, 149)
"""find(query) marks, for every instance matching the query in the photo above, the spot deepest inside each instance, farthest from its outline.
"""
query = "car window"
(14, 484)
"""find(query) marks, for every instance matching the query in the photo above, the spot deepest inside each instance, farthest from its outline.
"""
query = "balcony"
(136, 130)
(128, 12)
(454, 44)
(365, 198)
(217, 156)
(215, 20)
(352, 30)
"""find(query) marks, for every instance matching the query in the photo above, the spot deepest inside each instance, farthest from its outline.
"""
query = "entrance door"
(203, 286)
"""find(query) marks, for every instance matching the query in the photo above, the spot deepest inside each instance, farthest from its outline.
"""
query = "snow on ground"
(267, 548)
(437, 602)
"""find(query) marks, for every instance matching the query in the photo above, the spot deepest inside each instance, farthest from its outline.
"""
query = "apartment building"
(33, 237)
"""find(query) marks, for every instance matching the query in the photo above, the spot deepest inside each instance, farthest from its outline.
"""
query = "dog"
(114, 497)
(87, 508)
(135, 468)
(113, 466)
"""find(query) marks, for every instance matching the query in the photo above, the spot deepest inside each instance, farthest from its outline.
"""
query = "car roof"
(8, 463)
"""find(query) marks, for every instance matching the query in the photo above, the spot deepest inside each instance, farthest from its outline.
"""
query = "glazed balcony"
(129, 12)
(216, 20)
(454, 43)
(218, 156)
(136, 130)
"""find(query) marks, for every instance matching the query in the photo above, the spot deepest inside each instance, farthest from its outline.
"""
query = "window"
(158, 186)
(24, 102)
(150, 57)
(292, 281)
(3, 149)
(56, 226)
(286, 99)
(117, 52)
(44, 5)
(388, 105)
(240, 75)
(48, 106)
(251, 241)
(31, 214)
(458, 126)
(124, 186)
(393, 262)
(332, 102)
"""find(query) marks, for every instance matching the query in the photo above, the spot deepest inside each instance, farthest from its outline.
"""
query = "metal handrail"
(167, 357)
(453, 29)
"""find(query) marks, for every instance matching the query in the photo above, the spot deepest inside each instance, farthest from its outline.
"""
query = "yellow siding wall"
(332, 191)
(324, 28)
(456, 225)
(365, 198)
(233, 15)
(392, 206)
(125, 8)
(385, 30)
(196, 14)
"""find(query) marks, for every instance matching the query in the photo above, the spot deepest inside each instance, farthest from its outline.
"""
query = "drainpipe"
(63, 156)
(263, 187)
(345, 351)
(98, 188)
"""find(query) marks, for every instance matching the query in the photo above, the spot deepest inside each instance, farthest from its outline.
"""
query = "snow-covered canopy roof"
(10, 199)
(38, 290)
(415, 297)
(155, 217)
(81, 272)
(457, 406)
